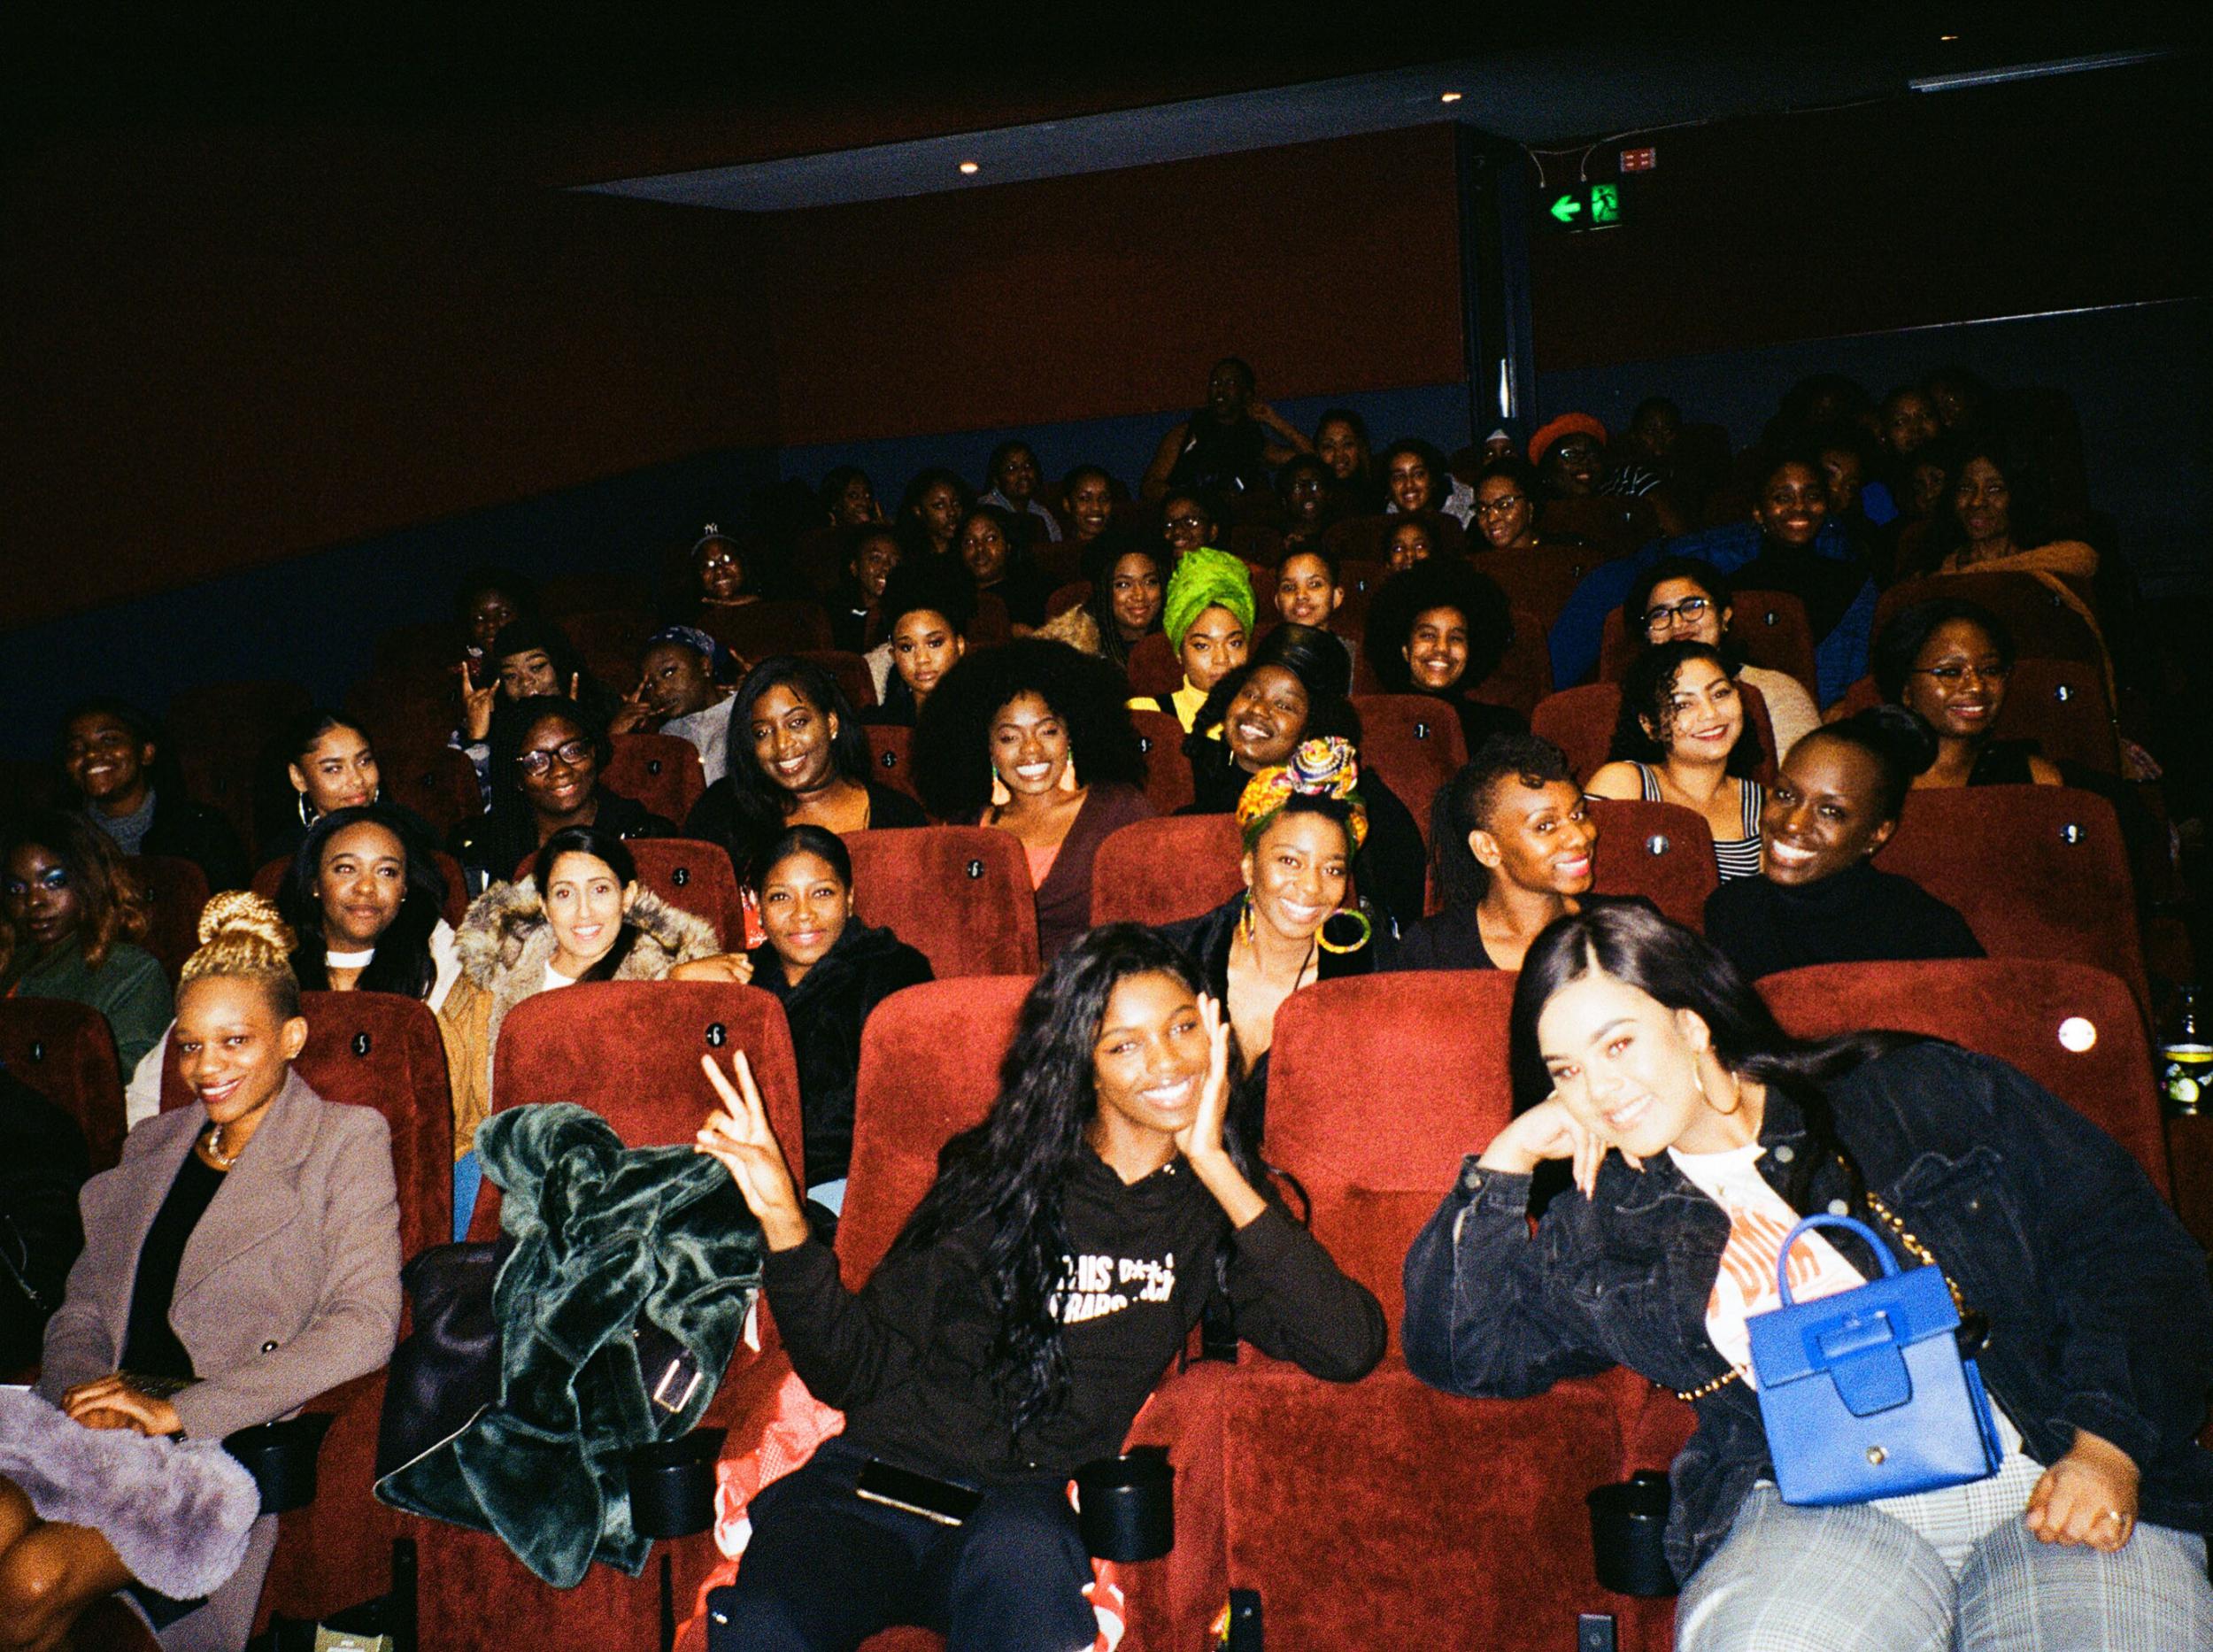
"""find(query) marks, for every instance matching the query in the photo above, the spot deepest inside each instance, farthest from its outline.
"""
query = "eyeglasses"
(1185, 521)
(1658, 618)
(1949, 675)
(1500, 506)
(571, 752)
(1577, 449)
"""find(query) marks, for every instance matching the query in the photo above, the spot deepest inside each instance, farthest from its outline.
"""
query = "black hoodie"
(908, 1359)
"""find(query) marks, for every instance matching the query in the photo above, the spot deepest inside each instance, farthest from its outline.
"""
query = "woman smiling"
(1683, 737)
(70, 919)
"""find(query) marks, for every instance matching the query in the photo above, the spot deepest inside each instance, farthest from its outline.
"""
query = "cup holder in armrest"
(281, 1456)
(672, 1484)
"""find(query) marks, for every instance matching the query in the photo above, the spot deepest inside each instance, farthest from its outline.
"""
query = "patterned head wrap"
(721, 660)
(1319, 769)
(1202, 580)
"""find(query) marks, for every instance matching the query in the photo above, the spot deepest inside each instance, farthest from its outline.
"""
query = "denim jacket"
(2099, 1311)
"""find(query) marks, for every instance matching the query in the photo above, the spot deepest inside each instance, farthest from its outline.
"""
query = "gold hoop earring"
(1736, 1097)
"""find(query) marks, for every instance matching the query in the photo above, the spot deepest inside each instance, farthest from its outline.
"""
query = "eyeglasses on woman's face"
(569, 753)
(1662, 616)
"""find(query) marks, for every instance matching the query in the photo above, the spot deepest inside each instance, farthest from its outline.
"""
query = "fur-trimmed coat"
(503, 946)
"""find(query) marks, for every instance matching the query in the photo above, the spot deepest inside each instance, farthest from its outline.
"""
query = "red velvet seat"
(758, 629)
(436, 780)
(1166, 869)
(630, 1052)
(1154, 669)
(611, 637)
(1354, 539)
(1167, 781)
(1541, 580)
(176, 890)
(1453, 1521)
(1415, 743)
(1580, 722)
(269, 877)
(66, 1053)
(1617, 523)
(960, 895)
(695, 876)
(1523, 673)
(850, 670)
(2042, 624)
(1256, 542)
(2036, 872)
(2060, 704)
(660, 770)
(219, 733)
(1770, 626)
(1661, 850)
(1075, 594)
(891, 752)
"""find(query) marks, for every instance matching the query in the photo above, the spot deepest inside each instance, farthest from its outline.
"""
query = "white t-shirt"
(555, 980)
(1760, 1219)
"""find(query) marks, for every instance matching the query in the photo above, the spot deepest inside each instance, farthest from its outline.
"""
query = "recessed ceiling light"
(1947, 36)
(967, 166)
(1448, 97)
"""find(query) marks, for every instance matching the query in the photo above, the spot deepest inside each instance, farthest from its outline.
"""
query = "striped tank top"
(1736, 857)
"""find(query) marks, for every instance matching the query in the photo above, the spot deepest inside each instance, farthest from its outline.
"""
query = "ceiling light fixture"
(1448, 97)
(967, 168)
(1947, 36)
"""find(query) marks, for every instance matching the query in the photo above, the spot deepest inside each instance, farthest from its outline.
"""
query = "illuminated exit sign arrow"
(1585, 206)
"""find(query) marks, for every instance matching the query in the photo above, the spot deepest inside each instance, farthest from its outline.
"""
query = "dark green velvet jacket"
(607, 1240)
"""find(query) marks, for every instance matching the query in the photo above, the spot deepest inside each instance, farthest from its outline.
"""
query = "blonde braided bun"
(242, 935)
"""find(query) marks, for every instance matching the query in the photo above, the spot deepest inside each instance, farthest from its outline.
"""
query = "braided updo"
(241, 936)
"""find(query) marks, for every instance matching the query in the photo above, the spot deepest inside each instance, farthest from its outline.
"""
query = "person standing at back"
(1231, 445)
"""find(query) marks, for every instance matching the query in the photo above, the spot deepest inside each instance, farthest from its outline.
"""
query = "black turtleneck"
(1860, 916)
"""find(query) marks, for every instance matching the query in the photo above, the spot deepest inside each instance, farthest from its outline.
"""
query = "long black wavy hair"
(952, 737)
(402, 963)
(757, 805)
(1011, 1172)
(1682, 970)
(1648, 695)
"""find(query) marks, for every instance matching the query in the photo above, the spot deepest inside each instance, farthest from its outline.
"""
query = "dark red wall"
(2049, 195)
(1330, 266)
(228, 348)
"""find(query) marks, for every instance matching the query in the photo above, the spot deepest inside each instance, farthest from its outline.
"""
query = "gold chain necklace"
(213, 1147)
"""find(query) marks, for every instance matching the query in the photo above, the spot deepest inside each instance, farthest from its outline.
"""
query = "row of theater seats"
(1452, 1522)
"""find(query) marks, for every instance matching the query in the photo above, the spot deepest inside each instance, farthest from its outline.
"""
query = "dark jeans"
(826, 1570)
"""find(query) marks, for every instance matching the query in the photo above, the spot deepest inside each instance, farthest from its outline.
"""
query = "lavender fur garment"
(177, 1512)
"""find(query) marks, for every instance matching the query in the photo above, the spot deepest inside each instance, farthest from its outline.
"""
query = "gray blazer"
(289, 1284)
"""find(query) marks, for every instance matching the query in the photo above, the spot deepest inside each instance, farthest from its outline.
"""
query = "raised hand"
(1203, 1135)
(738, 1137)
(477, 704)
(1551, 1129)
(633, 714)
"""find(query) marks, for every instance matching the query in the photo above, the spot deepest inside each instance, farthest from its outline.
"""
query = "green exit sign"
(1584, 206)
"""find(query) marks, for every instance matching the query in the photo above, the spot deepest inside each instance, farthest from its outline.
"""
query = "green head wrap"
(1205, 579)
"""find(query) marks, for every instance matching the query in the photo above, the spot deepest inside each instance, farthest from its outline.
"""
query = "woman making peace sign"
(1023, 1314)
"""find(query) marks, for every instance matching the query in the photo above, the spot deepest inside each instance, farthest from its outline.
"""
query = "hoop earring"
(1736, 1097)
(1244, 920)
(307, 810)
(1367, 931)
(1001, 796)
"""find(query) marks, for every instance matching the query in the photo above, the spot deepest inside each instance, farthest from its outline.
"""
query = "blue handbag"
(1865, 1393)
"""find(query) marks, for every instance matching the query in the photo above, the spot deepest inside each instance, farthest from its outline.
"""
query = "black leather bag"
(446, 1368)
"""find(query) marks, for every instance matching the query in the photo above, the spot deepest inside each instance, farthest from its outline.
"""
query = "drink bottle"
(2186, 1060)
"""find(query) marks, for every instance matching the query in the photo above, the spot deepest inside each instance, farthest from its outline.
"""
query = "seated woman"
(1440, 628)
(1949, 661)
(966, 1359)
(1681, 599)
(488, 601)
(994, 552)
(931, 511)
(1683, 737)
(1819, 899)
(1801, 550)
(1414, 538)
(1511, 843)
(1309, 493)
(242, 1259)
(829, 970)
(1128, 590)
(1060, 766)
(1014, 474)
(1294, 690)
(1506, 507)
(684, 683)
(1417, 477)
(797, 758)
(547, 755)
(71, 917)
(1090, 493)
(1190, 522)
(1697, 1132)
(129, 783)
(329, 763)
(579, 915)
(1341, 441)
(722, 578)
(927, 608)
(1208, 614)
(366, 901)
(1309, 591)
(531, 658)
(849, 498)
(871, 553)
(1301, 823)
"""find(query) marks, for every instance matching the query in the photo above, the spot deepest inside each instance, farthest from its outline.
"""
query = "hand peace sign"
(738, 1137)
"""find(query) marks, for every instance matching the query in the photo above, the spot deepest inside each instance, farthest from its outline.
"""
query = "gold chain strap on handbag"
(1914, 1249)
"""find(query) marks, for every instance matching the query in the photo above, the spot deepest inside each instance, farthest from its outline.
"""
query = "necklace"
(213, 1146)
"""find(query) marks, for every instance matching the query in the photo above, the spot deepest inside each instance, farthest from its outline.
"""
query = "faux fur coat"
(503, 946)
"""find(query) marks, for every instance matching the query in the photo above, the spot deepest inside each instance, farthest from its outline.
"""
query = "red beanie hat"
(1567, 424)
